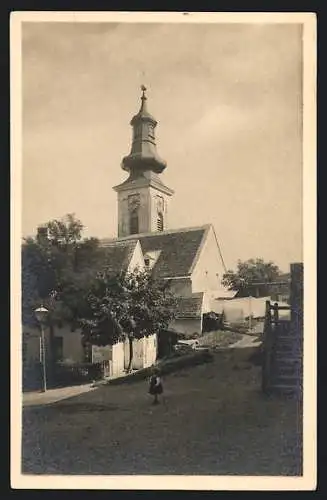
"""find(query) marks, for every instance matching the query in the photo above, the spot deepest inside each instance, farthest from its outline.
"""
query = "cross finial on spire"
(143, 88)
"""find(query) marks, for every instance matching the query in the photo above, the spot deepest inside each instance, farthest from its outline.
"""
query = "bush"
(212, 322)
(76, 373)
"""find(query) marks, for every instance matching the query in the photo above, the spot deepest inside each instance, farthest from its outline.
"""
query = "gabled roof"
(190, 307)
(179, 249)
(118, 254)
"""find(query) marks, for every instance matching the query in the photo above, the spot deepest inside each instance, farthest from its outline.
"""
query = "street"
(213, 419)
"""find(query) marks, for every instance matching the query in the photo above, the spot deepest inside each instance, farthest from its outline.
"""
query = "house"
(68, 343)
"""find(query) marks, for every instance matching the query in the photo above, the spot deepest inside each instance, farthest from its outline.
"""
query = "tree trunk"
(130, 341)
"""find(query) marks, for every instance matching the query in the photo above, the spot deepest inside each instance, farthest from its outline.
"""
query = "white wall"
(239, 308)
(72, 343)
(181, 287)
(117, 364)
(150, 350)
(138, 354)
(208, 266)
(137, 260)
(144, 352)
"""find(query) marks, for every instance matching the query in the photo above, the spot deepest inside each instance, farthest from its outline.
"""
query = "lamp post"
(41, 314)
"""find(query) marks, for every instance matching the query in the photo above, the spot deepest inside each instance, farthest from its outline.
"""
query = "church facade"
(189, 258)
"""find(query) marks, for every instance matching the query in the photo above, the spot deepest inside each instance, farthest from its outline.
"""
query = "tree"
(129, 305)
(58, 267)
(252, 277)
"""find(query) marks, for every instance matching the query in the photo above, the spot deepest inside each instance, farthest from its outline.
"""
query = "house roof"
(179, 249)
(118, 254)
(189, 307)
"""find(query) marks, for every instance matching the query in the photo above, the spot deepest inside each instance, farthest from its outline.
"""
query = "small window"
(160, 222)
(134, 223)
(147, 262)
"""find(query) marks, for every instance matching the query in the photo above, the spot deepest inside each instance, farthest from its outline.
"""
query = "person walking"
(156, 387)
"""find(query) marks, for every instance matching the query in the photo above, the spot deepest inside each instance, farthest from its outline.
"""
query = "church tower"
(142, 198)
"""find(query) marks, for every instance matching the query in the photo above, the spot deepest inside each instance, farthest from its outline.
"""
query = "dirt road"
(213, 420)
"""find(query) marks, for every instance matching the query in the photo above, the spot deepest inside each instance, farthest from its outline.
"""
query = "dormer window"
(150, 258)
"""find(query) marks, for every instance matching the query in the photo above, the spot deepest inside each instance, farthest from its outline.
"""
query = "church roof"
(118, 254)
(189, 307)
(179, 249)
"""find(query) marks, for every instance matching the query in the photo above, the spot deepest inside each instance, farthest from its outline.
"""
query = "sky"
(228, 100)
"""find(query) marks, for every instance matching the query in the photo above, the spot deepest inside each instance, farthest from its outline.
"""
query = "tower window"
(147, 262)
(134, 223)
(160, 222)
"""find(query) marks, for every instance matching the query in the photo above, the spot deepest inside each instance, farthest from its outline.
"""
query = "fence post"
(297, 315)
(276, 316)
(297, 298)
(266, 345)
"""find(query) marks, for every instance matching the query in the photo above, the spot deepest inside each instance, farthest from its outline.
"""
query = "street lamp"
(41, 314)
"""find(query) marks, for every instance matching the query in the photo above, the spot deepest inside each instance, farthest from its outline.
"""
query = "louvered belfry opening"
(134, 223)
(160, 222)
